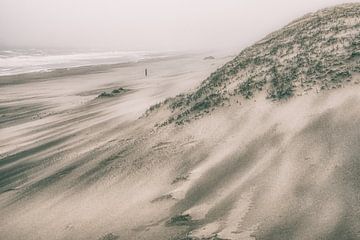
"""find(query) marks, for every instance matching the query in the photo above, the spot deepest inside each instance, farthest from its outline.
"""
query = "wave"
(14, 62)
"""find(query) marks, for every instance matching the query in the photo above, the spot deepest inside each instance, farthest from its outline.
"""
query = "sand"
(58, 140)
(255, 169)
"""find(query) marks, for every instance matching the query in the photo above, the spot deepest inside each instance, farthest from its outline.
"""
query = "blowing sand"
(59, 141)
(76, 167)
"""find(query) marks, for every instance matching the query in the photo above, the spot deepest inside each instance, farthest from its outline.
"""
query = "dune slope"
(267, 147)
(317, 52)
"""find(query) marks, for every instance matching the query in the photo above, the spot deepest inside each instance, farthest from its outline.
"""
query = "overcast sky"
(146, 24)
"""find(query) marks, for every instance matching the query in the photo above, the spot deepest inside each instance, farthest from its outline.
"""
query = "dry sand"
(251, 170)
(58, 141)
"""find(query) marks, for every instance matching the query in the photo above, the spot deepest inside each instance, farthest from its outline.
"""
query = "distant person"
(145, 72)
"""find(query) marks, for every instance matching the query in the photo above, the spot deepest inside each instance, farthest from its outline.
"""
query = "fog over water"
(145, 25)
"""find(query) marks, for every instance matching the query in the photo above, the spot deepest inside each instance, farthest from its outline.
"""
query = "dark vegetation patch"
(109, 236)
(249, 87)
(209, 58)
(214, 237)
(180, 179)
(163, 198)
(113, 93)
(180, 220)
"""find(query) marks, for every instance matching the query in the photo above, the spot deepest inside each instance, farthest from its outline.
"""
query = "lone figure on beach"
(145, 72)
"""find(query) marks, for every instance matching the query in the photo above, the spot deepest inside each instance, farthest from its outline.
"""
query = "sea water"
(19, 61)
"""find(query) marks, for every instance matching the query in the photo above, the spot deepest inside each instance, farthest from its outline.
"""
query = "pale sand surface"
(57, 140)
(249, 170)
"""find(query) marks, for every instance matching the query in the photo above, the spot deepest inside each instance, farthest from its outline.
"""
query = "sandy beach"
(261, 144)
(33, 103)
(57, 135)
(80, 167)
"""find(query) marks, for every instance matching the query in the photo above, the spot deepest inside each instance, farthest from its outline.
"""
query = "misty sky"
(146, 24)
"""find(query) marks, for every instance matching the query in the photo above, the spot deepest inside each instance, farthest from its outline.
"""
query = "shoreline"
(79, 70)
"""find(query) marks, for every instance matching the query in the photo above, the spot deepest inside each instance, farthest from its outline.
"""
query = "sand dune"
(239, 157)
(265, 171)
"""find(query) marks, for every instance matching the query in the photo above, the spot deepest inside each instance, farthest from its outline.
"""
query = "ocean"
(20, 61)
